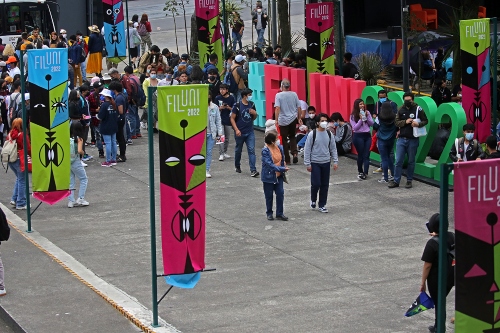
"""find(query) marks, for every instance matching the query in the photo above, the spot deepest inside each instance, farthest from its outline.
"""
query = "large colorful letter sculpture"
(49, 124)
(319, 35)
(477, 194)
(115, 33)
(209, 30)
(476, 94)
(182, 121)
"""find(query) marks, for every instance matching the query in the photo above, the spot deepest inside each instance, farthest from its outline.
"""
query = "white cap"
(240, 58)
(62, 31)
(106, 77)
(2, 64)
(106, 92)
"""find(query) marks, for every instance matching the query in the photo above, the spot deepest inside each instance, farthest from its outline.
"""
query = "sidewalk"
(356, 269)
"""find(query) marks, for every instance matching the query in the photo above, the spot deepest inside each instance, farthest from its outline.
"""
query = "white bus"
(19, 16)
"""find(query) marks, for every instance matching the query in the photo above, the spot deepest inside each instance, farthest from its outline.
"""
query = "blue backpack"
(231, 81)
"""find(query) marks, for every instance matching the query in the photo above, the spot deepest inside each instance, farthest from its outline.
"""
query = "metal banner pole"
(443, 247)
(152, 222)
(275, 24)
(495, 73)
(25, 140)
(226, 26)
(404, 33)
(128, 34)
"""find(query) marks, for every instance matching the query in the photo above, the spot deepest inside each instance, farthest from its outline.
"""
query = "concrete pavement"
(356, 269)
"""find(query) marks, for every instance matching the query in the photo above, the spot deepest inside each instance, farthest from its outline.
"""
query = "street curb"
(13, 324)
(127, 305)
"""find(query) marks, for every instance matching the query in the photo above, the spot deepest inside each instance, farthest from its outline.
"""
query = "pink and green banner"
(319, 35)
(477, 249)
(209, 31)
(476, 87)
(182, 123)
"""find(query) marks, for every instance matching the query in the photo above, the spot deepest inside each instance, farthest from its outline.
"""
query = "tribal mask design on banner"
(476, 94)
(477, 197)
(209, 30)
(319, 35)
(49, 124)
(114, 30)
(182, 122)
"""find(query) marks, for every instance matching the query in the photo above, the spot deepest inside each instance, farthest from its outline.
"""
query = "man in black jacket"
(259, 20)
(171, 58)
(441, 94)
(409, 116)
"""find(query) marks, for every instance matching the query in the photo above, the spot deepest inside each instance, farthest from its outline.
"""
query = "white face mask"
(311, 115)
(259, 10)
(278, 142)
(323, 124)
(64, 35)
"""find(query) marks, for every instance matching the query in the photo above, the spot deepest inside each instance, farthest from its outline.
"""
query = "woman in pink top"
(361, 121)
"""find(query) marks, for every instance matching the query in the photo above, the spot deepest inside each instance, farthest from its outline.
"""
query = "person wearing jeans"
(260, 23)
(361, 121)
(242, 117)
(108, 115)
(214, 131)
(18, 198)
(110, 141)
(225, 101)
(121, 108)
(409, 116)
(77, 169)
(237, 30)
(319, 151)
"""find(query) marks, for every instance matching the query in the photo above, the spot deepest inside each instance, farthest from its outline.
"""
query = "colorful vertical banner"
(477, 249)
(182, 124)
(49, 124)
(476, 94)
(209, 31)
(115, 33)
(319, 36)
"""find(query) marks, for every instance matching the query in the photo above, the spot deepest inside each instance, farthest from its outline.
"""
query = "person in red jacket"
(19, 193)
(144, 30)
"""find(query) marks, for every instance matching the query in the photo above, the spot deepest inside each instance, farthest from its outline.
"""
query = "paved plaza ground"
(355, 269)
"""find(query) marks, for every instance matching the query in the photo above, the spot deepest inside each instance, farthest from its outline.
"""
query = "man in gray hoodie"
(319, 151)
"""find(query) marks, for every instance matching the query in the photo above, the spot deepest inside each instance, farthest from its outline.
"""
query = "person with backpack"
(75, 57)
(319, 152)
(144, 30)
(136, 99)
(430, 257)
(467, 148)
(80, 40)
(237, 77)
(120, 100)
(16, 135)
(213, 59)
(15, 100)
(386, 135)
(77, 169)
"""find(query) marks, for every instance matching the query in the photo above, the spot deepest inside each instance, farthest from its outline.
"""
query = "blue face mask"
(469, 136)
(249, 98)
(383, 99)
(336, 124)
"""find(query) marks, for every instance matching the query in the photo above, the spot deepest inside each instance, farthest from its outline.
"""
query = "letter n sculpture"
(49, 124)
(182, 124)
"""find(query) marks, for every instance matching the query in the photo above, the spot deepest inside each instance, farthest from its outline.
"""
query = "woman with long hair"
(95, 47)
(19, 192)
(8, 50)
(144, 30)
(77, 169)
(74, 105)
(361, 120)
(386, 134)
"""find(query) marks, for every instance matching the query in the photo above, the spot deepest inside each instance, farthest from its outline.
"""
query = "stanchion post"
(494, 61)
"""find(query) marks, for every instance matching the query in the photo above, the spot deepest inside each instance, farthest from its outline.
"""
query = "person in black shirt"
(442, 135)
(441, 94)
(225, 101)
(349, 69)
(456, 94)
(491, 146)
(430, 258)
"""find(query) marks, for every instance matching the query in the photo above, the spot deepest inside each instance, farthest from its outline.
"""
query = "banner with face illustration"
(209, 30)
(319, 36)
(49, 124)
(476, 87)
(182, 123)
(115, 33)
(477, 244)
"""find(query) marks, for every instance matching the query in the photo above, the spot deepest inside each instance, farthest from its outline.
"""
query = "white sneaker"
(208, 174)
(379, 170)
(323, 210)
(71, 204)
(221, 157)
(3, 292)
(84, 164)
(12, 203)
(226, 155)
(82, 202)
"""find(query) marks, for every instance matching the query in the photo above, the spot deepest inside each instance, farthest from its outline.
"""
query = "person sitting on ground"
(343, 134)
(492, 147)
(310, 122)
(148, 58)
(467, 148)
(442, 135)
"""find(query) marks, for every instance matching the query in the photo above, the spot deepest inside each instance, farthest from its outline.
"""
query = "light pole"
(275, 24)
(404, 35)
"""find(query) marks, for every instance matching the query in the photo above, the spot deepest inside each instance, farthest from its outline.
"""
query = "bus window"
(33, 19)
(13, 19)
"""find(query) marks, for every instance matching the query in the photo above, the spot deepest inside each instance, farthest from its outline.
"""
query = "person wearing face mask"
(213, 83)
(273, 168)
(361, 120)
(259, 20)
(214, 132)
(225, 101)
(382, 98)
(213, 59)
(410, 115)
(151, 81)
(386, 134)
(310, 122)
(469, 149)
(319, 152)
(343, 134)
(169, 79)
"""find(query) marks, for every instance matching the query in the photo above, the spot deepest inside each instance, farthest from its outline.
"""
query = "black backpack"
(4, 227)
(450, 255)
(329, 139)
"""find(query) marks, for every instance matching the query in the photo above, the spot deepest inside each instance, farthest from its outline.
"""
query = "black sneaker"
(270, 217)
(238, 170)
(432, 329)
(295, 159)
(393, 184)
(254, 173)
(408, 184)
(282, 218)
(361, 176)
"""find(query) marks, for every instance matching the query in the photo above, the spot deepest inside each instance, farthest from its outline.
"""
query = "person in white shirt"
(12, 61)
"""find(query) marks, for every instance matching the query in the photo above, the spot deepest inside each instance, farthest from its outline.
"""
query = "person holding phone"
(214, 131)
(225, 101)
(272, 176)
